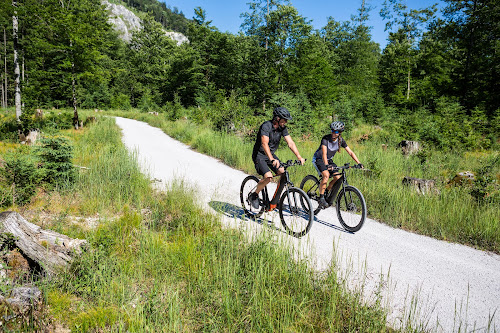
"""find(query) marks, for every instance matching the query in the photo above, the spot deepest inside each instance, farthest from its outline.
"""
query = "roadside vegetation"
(465, 211)
(157, 262)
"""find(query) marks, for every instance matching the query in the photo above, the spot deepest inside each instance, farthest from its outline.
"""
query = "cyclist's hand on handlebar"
(302, 161)
(276, 163)
(361, 166)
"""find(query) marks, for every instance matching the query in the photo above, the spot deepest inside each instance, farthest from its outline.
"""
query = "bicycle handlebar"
(347, 166)
(290, 163)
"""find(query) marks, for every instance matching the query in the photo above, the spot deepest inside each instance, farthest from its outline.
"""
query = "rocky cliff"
(125, 22)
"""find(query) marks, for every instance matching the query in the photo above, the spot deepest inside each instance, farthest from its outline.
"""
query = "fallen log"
(49, 249)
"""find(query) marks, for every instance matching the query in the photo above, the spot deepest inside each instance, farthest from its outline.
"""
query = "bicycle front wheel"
(351, 208)
(296, 212)
(310, 185)
(248, 187)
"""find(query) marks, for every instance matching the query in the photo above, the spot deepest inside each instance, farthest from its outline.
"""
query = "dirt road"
(448, 287)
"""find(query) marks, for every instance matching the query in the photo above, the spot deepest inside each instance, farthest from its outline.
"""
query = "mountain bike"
(294, 207)
(349, 203)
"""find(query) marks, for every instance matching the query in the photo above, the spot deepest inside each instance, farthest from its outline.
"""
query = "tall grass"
(453, 215)
(171, 267)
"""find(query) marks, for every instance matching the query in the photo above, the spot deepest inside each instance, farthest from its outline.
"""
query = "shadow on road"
(329, 225)
(233, 211)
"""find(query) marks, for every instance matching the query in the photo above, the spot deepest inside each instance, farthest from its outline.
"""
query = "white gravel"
(443, 286)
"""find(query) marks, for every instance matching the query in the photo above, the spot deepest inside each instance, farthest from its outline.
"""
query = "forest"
(435, 81)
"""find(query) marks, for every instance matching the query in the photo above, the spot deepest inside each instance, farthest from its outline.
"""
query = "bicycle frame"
(282, 183)
(341, 182)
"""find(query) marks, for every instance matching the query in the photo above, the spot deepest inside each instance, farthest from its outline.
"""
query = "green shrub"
(56, 154)
(27, 121)
(19, 178)
(57, 120)
(8, 129)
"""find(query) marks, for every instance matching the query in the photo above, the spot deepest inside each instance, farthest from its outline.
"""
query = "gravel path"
(447, 287)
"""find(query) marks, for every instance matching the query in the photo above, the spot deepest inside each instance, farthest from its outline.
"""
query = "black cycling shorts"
(322, 167)
(264, 165)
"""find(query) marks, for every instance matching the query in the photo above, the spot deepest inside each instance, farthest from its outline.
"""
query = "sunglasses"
(337, 132)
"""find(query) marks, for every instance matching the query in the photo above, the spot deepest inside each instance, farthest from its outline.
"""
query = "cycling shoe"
(322, 203)
(254, 200)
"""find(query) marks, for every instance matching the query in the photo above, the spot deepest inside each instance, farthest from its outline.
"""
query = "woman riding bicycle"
(330, 145)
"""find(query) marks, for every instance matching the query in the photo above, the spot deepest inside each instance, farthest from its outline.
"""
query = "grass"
(158, 263)
(453, 215)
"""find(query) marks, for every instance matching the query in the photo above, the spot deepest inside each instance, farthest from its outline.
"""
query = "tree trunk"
(4, 96)
(1, 91)
(408, 89)
(17, 72)
(73, 86)
(49, 249)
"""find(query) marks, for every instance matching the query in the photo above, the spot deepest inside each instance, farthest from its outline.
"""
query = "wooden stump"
(29, 139)
(409, 147)
(422, 186)
(463, 178)
(49, 249)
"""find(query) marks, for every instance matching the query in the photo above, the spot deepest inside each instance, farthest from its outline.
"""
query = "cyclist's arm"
(351, 153)
(324, 155)
(293, 148)
(265, 145)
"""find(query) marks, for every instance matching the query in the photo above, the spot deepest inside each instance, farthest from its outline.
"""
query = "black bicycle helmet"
(337, 126)
(282, 113)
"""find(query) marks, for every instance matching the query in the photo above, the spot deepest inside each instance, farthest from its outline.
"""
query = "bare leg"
(334, 180)
(266, 179)
(324, 180)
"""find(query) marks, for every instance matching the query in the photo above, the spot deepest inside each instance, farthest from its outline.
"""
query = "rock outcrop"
(125, 22)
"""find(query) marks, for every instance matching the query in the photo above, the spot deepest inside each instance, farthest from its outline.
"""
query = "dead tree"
(17, 73)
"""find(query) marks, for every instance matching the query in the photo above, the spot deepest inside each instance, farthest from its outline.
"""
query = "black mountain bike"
(349, 203)
(295, 208)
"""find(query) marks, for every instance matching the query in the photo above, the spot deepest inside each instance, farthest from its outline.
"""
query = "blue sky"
(225, 14)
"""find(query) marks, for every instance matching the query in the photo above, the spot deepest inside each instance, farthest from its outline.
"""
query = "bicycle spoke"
(310, 185)
(248, 187)
(351, 208)
(295, 212)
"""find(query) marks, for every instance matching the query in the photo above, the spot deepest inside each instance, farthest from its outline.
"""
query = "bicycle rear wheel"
(351, 208)
(248, 186)
(296, 212)
(310, 185)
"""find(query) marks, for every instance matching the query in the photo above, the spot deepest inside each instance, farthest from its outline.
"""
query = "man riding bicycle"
(268, 139)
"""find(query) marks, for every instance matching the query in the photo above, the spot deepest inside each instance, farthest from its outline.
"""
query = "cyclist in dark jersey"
(268, 139)
(322, 159)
